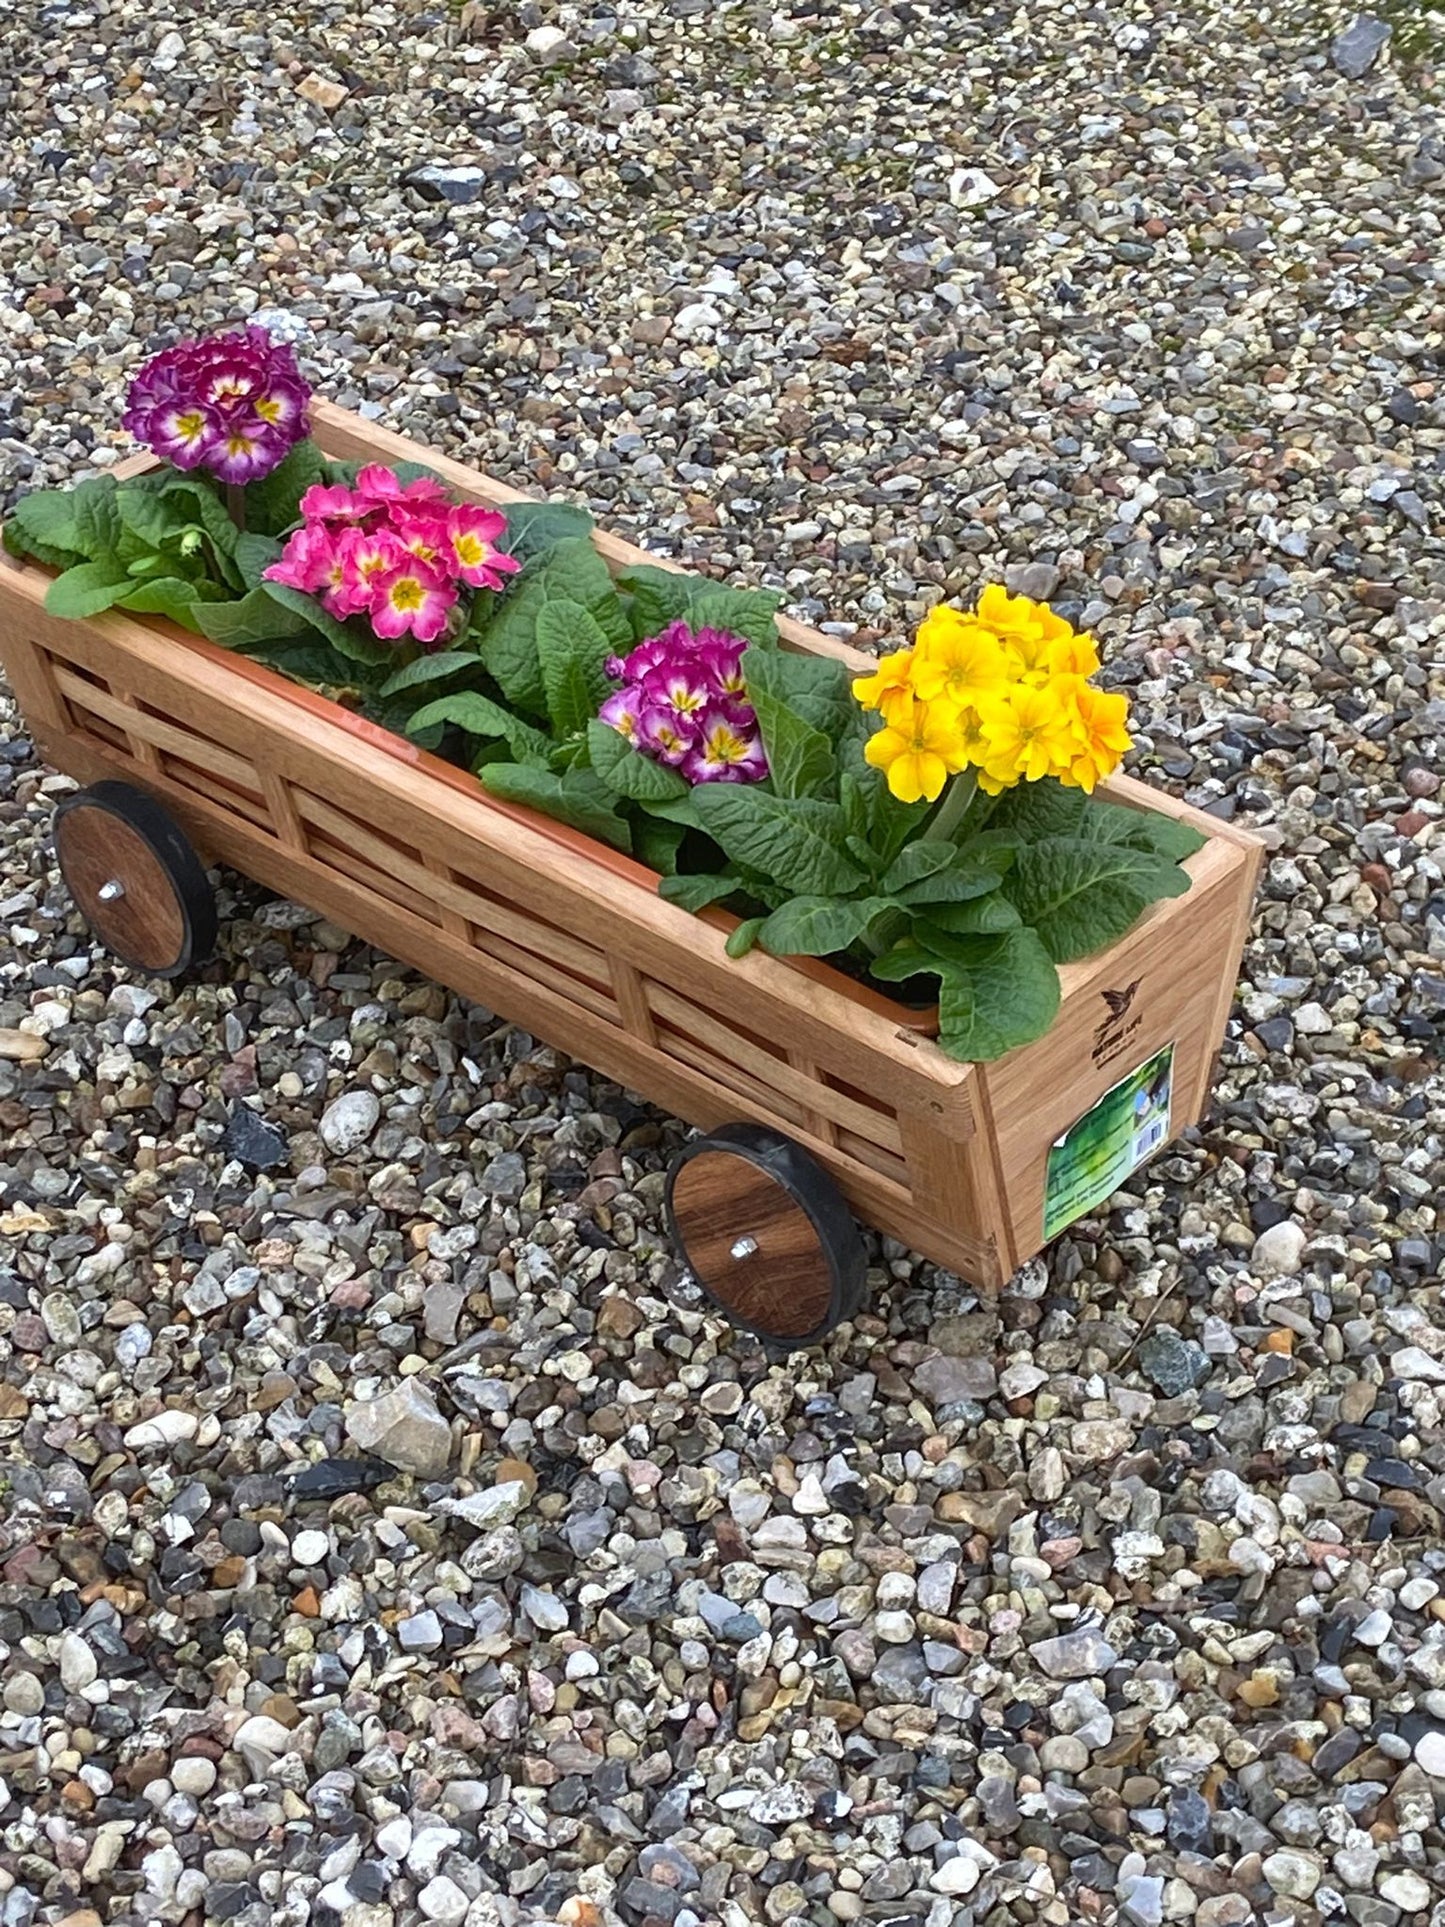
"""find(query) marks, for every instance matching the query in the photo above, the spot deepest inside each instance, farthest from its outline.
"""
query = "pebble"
(1355, 50)
(1279, 1251)
(349, 1120)
(1081, 1654)
(404, 1428)
(79, 1666)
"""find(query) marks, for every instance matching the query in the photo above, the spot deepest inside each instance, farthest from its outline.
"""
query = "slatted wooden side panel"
(448, 917)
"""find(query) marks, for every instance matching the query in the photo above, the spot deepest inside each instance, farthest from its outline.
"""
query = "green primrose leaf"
(795, 842)
(572, 648)
(535, 527)
(627, 772)
(428, 669)
(800, 756)
(576, 798)
(273, 504)
(97, 519)
(738, 612)
(253, 555)
(697, 892)
(252, 619)
(87, 589)
(206, 507)
(46, 524)
(994, 995)
(957, 885)
(819, 926)
(478, 715)
(979, 917)
(917, 861)
(352, 643)
(744, 937)
(1080, 896)
(170, 596)
(657, 843)
(1141, 829)
(1035, 810)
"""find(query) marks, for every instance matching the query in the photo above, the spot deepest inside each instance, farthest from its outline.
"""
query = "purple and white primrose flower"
(682, 702)
(234, 404)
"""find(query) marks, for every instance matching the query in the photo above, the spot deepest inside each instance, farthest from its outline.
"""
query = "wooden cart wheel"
(766, 1233)
(135, 878)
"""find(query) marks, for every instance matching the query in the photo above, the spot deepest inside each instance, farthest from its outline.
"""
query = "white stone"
(309, 1548)
(956, 1876)
(549, 46)
(497, 1506)
(1430, 1754)
(971, 187)
(1279, 1251)
(1407, 1890)
(394, 1839)
(23, 1695)
(1374, 1629)
(1416, 1593)
(1411, 1362)
(1313, 1020)
(1293, 1873)
(349, 1120)
(262, 1735)
(166, 1428)
(419, 1633)
(692, 319)
(193, 1776)
(79, 1666)
(443, 1900)
(1017, 1381)
(810, 1498)
(432, 1843)
(546, 1611)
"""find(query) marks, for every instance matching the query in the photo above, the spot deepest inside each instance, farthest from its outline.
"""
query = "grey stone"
(405, 1428)
(1355, 50)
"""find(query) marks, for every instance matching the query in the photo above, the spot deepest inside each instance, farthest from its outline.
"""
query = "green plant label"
(1094, 1157)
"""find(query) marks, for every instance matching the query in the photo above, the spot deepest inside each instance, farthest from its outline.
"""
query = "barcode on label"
(1151, 1135)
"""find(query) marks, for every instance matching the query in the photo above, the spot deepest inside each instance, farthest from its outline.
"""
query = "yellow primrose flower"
(1073, 655)
(918, 750)
(957, 660)
(1028, 733)
(1025, 627)
(1102, 715)
(889, 687)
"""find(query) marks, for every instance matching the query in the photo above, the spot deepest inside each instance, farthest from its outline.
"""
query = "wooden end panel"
(1161, 984)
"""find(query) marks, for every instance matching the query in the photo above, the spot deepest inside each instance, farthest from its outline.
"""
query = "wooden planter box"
(572, 941)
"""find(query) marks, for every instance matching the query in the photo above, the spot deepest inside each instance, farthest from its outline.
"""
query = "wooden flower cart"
(823, 1087)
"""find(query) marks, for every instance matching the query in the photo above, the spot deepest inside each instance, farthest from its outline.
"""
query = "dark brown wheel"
(135, 878)
(766, 1233)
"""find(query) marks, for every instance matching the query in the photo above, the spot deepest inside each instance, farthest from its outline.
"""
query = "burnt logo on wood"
(1118, 1027)
(1120, 1000)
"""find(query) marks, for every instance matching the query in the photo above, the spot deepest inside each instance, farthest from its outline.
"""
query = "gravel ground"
(1122, 1599)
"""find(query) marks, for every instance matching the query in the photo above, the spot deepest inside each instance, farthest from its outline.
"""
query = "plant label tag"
(1095, 1156)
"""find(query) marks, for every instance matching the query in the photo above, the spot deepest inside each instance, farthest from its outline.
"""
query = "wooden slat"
(629, 987)
(284, 819)
(151, 733)
(724, 1041)
(483, 913)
